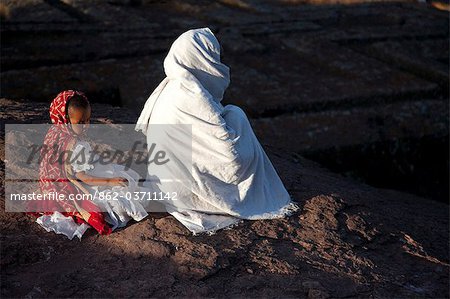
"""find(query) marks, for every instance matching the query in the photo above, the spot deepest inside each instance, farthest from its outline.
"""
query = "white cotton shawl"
(231, 176)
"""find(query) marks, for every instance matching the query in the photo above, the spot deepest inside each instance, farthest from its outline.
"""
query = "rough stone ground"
(348, 240)
(331, 76)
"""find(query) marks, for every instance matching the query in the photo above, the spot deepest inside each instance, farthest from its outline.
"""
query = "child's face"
(80, 119)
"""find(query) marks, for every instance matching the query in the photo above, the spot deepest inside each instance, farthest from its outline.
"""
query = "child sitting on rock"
(77, 173)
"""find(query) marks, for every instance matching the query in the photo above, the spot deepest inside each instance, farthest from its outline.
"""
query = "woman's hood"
(194, 57)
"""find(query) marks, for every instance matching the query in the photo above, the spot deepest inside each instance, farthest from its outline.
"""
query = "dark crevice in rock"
(416, 165)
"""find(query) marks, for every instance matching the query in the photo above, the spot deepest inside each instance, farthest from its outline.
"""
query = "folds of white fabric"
(61, 224)
(230, 177)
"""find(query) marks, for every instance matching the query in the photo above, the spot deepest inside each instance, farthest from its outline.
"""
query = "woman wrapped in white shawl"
(219, 170)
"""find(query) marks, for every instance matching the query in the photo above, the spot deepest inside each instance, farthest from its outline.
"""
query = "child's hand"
(118, 181)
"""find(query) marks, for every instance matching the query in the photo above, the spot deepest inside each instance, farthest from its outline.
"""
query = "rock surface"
(348, 240)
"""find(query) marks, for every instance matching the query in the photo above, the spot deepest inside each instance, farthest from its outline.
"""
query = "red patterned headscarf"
(53, 175)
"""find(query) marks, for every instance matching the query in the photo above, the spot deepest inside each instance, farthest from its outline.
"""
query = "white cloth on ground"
(232, 177)
(61, 224)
